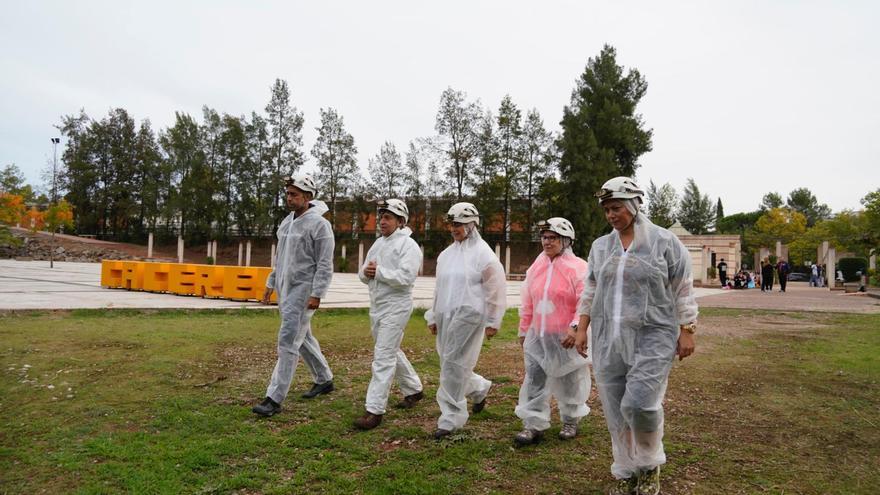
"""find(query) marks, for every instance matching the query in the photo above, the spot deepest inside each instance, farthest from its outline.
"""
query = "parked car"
(798, 277)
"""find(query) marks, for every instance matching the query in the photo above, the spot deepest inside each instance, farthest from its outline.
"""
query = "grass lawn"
(159, 402)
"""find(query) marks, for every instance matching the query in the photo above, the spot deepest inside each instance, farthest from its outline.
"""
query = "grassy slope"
(159, 403)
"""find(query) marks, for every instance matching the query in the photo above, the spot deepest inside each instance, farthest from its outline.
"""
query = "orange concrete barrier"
(209, 281)
(182, 279)
(111, 274)
(240, 283)
(133, 275)
(156, 277)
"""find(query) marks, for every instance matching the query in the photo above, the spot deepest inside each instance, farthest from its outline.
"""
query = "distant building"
(707, 250)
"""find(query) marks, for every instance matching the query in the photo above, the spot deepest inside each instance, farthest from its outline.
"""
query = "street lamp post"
(55, 142)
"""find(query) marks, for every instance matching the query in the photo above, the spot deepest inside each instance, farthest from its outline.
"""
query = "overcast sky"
(744, 97)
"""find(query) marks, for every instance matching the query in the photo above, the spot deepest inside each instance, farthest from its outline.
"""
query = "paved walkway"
(799, 296)
(28, 285)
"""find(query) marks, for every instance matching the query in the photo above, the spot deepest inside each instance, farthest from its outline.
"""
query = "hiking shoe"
(568, 431)
(528, 437)
(649, 482)
(625, 486)
(267, 408)
(368, 421)
(318, 389)
(478, 406)
(440, 433)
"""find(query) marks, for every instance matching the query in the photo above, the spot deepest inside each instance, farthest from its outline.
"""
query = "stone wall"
(40, 248)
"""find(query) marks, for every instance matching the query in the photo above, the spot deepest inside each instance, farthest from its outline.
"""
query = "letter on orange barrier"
(182, 279)
(156, 276)
(209, 281)
(133, 275)
(111, 273)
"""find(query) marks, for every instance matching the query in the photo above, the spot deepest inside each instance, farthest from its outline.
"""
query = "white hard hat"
(394, 206)
(559, 225)
(303, 182)
(620, 188)
(463, 213)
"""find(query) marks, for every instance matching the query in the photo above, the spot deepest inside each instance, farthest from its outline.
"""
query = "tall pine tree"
(335, 153)
(602, 137)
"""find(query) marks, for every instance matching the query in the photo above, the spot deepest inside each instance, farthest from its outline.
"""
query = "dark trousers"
(783, 279)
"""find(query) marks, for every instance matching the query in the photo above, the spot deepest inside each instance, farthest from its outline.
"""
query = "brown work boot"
(368, 421)
(410, 401)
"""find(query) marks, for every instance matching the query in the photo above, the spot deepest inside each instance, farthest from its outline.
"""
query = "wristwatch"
(690, 328)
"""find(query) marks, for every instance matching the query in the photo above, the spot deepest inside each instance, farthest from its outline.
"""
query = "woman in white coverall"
(302, 274)
(469, 302)
(639, 300)
(547, 322)
(390, 271)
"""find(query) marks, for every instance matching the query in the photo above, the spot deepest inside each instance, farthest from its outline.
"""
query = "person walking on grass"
(547, 322)
(470, 298)
(301, 277)
(390, 271)
(639, 299)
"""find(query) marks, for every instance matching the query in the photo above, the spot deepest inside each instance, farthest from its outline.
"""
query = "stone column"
(214, 251)
(150, 245)
(360, 256)
(240, 249)
(422, 267)
(272, 257)
(830, 266)
(179, 249)
(498, 251)
(872, 262)
(247, 255)
(507, 259)
(778, 249)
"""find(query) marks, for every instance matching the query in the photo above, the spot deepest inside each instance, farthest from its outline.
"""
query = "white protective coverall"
(549, 308)
(303, 269)
(636, 300)
(470, 295)
(398, 259)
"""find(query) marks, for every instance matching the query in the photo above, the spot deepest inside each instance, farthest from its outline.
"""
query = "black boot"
(318, 389)
(267, 408)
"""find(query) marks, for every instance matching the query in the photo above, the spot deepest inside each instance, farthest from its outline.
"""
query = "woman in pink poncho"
(548, 316)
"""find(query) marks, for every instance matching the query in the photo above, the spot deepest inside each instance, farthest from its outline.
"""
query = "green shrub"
(7, 239)
(849, 267)
(341, 264)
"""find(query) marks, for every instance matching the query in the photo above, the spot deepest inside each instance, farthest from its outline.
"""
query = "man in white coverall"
(390, 271)
(303, 269)
(469, 302)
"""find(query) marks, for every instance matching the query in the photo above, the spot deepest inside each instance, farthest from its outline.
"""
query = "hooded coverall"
(549, 309)
(470, 295)
(398, 259)
(636, 299)
(303, 269)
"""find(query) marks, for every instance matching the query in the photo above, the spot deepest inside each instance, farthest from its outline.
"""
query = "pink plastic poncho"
(550, 294)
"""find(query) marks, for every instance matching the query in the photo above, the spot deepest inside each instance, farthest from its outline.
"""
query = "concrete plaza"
(29, 285)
